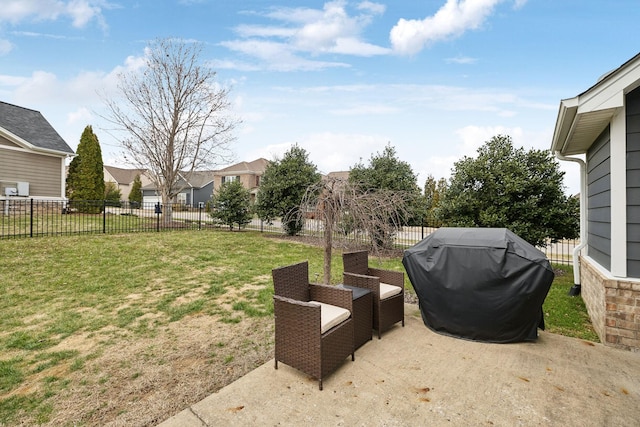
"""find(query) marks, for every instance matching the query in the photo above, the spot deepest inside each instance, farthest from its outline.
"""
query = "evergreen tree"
(112, 194)
(433, 191)
(283, 185)
(509, 187)
(85, 181)
(232, 205)
(135, 196)
(386, 172)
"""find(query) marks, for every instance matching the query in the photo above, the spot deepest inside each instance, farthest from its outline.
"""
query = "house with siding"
(600, 130)
(195, 188)
(198, 186)
(32, 155)
(248, 173)
(123, 178)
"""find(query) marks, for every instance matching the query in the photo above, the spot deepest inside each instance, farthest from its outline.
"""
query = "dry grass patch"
(101, 330)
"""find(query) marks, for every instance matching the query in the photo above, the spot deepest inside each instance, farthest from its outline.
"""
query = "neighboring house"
(196, 188)
(32, 155)
(248, 173)
(602, 126)
(123, 179)
(338, 175)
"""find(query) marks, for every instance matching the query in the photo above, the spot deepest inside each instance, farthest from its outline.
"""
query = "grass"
(116, 289)
(566, 315)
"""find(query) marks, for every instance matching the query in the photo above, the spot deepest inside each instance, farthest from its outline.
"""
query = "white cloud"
(11, 81)
(275, 56)
(230, 64)
(304, 31)
(263, 31)
(375, 8)
(5, 47)
(82, 115)
(329, 151)
(81, 12)
(451, 20)
(353, 46)
(463, 60)
(365, 110)
(470, 139)
(475, 136)
(519, 4)
(436, 166)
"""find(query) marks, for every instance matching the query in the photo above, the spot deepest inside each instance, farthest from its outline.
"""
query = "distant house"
(32, 155)
(196, 188)
(123, 178)
(338, 175)
(248, 173)
(602, 126)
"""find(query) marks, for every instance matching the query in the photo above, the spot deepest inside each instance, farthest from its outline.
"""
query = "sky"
(434, 79)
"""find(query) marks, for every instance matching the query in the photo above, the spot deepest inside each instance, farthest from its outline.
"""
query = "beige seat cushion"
(331, 315)
(387, 290)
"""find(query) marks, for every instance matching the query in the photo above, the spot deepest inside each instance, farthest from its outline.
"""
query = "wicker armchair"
(387, 310)
(300, 340)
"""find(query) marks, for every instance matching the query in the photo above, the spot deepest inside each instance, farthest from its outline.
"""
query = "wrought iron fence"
(22, 217)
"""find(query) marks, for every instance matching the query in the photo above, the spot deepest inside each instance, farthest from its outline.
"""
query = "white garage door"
(149, 202)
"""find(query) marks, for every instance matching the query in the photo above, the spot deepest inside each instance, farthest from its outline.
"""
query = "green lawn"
(116, 289)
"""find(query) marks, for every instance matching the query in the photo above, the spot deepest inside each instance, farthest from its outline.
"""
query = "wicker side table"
(362, 314)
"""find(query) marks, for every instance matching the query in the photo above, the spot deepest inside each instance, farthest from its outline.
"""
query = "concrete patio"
(413, 376)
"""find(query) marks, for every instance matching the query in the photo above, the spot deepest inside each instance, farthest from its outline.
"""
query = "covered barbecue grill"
(484, 284)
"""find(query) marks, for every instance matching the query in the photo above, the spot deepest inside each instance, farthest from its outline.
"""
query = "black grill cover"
(483, 284)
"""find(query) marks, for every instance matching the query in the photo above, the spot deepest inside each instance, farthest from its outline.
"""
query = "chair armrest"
(331, 295)
(390, 277)
(302, 314)
(361, 281)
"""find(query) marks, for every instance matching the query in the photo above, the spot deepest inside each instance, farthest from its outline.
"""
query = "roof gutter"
(576, 288)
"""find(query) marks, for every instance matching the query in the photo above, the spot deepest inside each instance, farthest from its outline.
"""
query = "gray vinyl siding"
(633, 183)
(43, 173)
(599, 199)
(203, 194)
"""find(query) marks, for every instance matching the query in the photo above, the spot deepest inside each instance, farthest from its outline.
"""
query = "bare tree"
(175, 115)
(344, 208)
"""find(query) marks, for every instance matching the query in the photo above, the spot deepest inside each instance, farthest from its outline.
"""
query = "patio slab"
(413, 376)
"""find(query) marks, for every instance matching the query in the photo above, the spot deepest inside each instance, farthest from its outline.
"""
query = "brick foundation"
(613, 306)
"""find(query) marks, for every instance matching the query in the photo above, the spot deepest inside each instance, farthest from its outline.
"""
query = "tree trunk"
(328, 245)
(167, 211)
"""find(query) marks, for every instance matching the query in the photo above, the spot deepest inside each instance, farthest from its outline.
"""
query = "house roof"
(256, 167)
(123, 176)
(582, 119)
(30, 129)
(338, 175)
(197, 179)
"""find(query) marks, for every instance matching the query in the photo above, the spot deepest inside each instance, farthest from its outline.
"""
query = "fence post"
(31, 219)
(158, 212)
(104, 217)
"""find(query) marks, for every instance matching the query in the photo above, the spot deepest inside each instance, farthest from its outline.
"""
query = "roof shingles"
(32, 127)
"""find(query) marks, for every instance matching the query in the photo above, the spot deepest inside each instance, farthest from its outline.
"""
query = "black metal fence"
(25, 217)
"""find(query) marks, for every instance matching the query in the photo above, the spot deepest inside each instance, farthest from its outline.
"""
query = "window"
(226, 179)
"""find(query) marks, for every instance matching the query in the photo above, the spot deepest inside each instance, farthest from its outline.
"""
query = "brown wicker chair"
(387, 311)
(300, 342)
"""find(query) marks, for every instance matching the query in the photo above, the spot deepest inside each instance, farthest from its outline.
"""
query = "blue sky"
(434, 78)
